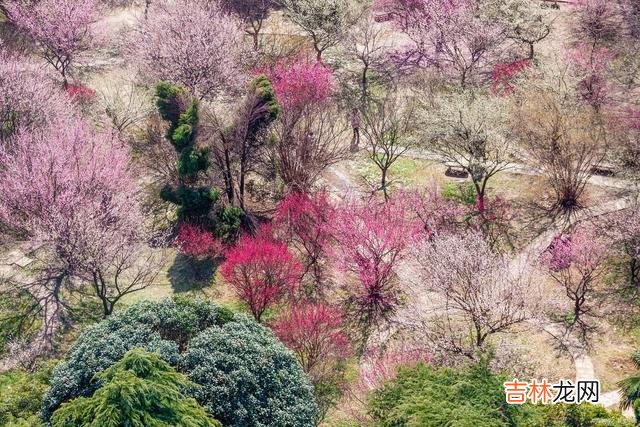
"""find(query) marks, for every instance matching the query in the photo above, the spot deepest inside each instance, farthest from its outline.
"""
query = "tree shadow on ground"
(187, 274)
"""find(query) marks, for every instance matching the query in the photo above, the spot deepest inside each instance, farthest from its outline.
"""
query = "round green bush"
(178, 330)
(246, 379)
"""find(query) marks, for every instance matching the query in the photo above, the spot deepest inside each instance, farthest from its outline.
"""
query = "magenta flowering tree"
(304, 222)
(198, 243)
(28, 97)
(192, 44)
(262, 272)
(63, 29)
(372, 239)
(299, 84)
(446, 35)
(575, 262)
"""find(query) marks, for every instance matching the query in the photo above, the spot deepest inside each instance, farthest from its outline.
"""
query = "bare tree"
(368, 45)
(125, 104)
(324, 21)
(253, 13)
(482, 292)
(308, 143)
(114, 275)
(563, 137)
(388, 129)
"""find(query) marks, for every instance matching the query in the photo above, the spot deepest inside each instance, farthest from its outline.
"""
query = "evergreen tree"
(196, 202)
(141, 390)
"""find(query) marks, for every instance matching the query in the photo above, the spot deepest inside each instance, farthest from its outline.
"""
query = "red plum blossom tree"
(310, 131)
(262, 272)
(304, 222)
(315, 333)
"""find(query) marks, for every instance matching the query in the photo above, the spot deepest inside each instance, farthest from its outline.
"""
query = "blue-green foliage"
(168, 328)
(246, 379)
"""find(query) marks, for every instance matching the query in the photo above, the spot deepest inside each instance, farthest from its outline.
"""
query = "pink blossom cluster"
(313, 331)
(503, 75)
(299, 83)
(196, 242)
(577, 249)
(262, 272)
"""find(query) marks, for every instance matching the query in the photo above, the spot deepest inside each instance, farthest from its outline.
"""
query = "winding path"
(343, 185)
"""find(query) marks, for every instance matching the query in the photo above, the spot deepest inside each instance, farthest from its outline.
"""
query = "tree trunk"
(383, 184)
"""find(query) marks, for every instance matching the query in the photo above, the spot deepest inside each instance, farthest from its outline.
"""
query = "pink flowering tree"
(447, 35)
(372, 239)
(438, 215)
(315, 333)
(192, 44)
(304, 222)
(309, 131)
(28, 97)
(591, 65)
(262, 273)
(575, 262)
(299, 84)
(198, 243)
(70, 190)
(63, 29)
(377, 369)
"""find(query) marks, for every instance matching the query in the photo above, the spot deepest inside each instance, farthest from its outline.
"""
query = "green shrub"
(140, 390)
(428, 396)
(168, 328)
(582, 415)
(246, 377)
(464, 192)
(472, 397)
(170, 101)
(21, 394)
(228, 224)
(192, 161)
